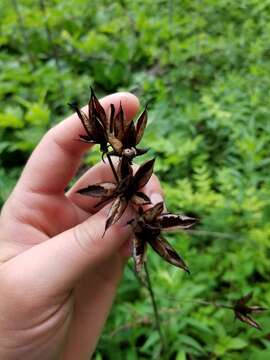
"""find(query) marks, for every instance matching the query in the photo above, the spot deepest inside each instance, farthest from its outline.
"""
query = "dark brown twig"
(112, 167)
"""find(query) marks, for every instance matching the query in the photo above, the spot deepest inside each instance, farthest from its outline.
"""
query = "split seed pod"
(95, 123)
(147, 228)
(242, 311)
(123, 192)
(124, 136)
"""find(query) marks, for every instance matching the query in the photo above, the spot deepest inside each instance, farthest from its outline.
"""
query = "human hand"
(58, 276)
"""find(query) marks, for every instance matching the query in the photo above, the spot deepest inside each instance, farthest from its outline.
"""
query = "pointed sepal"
(173, 222)
(144, 173)
(167, 252)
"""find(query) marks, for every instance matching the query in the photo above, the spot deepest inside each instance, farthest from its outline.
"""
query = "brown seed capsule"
(123, 192)
(242, 311)
(147, 228)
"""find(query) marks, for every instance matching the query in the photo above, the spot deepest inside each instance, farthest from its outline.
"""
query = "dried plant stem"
(212, 303)
(203, 302)
(112, 167)
(141, 281)
(215, 234)
(155, 308)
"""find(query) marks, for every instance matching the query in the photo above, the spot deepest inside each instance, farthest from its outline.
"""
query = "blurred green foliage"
(204, 66)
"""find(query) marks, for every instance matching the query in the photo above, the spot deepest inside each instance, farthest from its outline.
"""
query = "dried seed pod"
(147, 228)
(113, 130)
(95, 123)
(242, 311)
(123, 192)
(124, 136)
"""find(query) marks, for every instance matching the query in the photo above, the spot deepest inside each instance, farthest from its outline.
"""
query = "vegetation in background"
(203, 66)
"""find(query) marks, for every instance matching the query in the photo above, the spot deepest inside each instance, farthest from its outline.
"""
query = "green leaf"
(260, 355)
(181, 355)
(226, 344)
(10, 120)
(151, 341)
(38, 114)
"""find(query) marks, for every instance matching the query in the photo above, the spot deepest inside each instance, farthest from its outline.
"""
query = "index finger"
(57, 157)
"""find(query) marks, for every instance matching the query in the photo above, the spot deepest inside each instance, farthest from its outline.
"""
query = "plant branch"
(211, 233)
(155, 308)
(203, 302)
(113, 168)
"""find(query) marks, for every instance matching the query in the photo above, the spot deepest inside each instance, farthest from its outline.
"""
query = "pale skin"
(58, 276)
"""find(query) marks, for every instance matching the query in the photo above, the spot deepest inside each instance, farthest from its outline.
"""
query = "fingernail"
(156, 198)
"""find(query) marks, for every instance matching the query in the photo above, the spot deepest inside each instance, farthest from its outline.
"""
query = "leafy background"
(204, 66)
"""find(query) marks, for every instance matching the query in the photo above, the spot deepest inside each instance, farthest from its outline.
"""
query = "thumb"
(57, 264)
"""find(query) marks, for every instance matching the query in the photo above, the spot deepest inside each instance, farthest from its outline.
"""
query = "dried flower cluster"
(119, 137)
(147, 228)
(113, 130)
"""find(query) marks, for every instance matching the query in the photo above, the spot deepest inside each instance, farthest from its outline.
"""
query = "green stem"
(155, 308)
